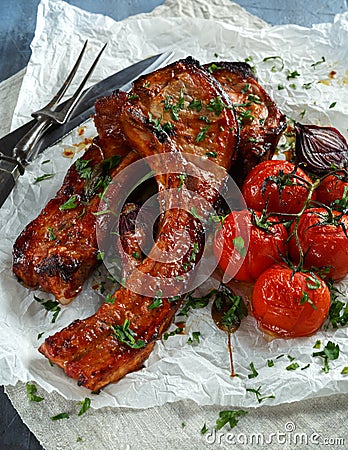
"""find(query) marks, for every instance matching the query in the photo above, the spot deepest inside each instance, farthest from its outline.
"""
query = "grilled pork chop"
(260, 121)
(177, 109)
(57, 251)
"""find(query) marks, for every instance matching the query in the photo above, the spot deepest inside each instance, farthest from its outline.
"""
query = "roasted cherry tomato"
(270, 185)
(322, 235)
(288, 304)
(267, 243)
(333, 191)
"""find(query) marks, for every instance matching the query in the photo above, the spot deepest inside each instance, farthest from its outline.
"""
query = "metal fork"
(25, 150)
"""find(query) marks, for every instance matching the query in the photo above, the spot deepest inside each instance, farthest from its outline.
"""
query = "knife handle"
(25, 149)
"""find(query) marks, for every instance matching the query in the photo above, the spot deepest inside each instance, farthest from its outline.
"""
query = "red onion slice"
(320, 148)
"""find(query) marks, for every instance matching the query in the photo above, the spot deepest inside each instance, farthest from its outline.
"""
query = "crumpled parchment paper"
(175, 370)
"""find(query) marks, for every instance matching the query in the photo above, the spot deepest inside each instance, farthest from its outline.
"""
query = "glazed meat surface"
(57, 251)
(260, 121)
(173, 111)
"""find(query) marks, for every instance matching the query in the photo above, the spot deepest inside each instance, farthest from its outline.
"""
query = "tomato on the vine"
(290, 304)
(243, 261)
(333, 191)
(322, 236)
(276, 185)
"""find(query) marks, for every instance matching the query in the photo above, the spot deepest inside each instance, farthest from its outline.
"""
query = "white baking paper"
(175, 370)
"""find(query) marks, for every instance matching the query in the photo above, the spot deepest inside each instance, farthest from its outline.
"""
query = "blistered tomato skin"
(289, 305)
(263, 188)
(324, 244)
(264, 249)
(332, 189)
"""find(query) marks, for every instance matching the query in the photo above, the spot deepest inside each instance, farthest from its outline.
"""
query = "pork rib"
(57, 251)
(178, 109)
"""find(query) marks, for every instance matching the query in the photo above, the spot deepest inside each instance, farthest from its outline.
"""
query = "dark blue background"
(17, 26)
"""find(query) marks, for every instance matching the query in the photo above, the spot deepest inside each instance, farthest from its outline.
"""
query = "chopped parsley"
(344, 371)
(43, 177)
(213, 67)
(69, 204)
(239, 245)
(274, 67)
(177, 330)
(51, 235)
(338, 313)
(257, 392)
(330, 352)
(175, 108)
(216, 105)
(204, 428)
(109, 299)
(195, 339)
(254, 373)
(60, 416)
(204, 118)
(50, 306)
(313, 282)
(231, 319)
(292, 366)
(245, 115)
(196, 302)
(202, 134)
(31, 393)
(157, 301)
(293, 74)
(230, 416)
(315, 64)
(270, 363)
(211, 154)
(82, 168)
(196, 104)
(305, 299)
(182, 177)
(85, 405)
(126, 335)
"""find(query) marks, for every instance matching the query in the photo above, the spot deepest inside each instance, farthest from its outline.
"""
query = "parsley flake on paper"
(330, 352)
(85, 405)
(31, 393)
(254, 373)
(43, 177)
(60, 416)
(230, 416)
(257, 392)
(50, 306)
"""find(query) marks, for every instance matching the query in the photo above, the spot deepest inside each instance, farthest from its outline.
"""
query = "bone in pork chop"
(178, 109)
(261, 123)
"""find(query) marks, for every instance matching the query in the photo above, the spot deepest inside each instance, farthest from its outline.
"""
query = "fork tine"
(54, 101)
(68, 108)
(62, 115)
